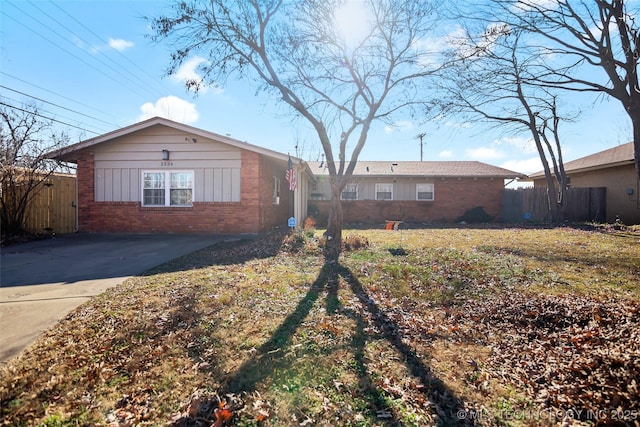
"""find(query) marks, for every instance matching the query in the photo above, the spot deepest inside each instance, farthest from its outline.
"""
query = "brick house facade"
(453, 189)
(161, 176)
(232, 191)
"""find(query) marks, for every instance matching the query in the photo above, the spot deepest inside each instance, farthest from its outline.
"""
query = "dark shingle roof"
(616, 156)
(429, 169)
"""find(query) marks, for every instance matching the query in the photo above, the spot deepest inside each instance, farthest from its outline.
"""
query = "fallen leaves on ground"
(568, 352)
(248, 333)
(575, 356)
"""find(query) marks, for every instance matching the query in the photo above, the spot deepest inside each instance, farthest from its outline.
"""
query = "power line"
(56, 105)
(57, 94)
(47, 118)
(135, 76)
(48, 112)
(99, 38)
(67, 51)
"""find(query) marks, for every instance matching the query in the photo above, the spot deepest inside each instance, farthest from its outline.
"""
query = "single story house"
(162, 176)
(613, 169)
(412, 191)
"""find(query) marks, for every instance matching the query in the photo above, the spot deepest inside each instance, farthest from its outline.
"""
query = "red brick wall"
(254, 213)
(453, 198)
(130, 217)
(274, 215)
(86, 190)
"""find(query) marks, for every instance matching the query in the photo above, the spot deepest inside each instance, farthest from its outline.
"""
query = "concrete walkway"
(42, 281)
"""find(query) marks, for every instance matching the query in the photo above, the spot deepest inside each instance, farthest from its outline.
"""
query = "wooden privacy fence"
(532, 204)
(53, 208)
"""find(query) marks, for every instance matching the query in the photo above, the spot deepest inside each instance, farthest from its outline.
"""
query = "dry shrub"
(301, 242)
(294, 242)
(354, 242)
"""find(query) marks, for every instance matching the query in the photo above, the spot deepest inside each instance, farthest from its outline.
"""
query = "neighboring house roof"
(443, 169)
(621, 155)
(68, 153)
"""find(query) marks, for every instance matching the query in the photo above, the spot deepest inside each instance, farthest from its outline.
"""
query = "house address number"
(166, 163)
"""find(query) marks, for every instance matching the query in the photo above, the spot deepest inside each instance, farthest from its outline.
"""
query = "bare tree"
(339, 77)
(493, 83)
(25, 140)
(583, 36)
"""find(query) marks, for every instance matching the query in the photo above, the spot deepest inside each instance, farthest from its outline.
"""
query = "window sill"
(171, 208)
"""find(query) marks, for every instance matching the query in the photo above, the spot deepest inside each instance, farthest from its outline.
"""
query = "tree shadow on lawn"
(270, 357)
(226, 252)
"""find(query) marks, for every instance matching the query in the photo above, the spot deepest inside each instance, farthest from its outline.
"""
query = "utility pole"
(420, 136)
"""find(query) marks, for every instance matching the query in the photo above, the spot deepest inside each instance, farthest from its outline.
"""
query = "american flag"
(291, 175)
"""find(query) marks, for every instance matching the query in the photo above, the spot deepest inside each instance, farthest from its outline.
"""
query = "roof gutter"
(587, 169)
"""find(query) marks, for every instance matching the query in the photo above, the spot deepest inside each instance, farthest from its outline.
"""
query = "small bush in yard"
(294, 242)
(349, 243)
(355, 242)
(475, 215)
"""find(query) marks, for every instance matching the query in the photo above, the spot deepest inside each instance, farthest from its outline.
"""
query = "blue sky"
(89, 64)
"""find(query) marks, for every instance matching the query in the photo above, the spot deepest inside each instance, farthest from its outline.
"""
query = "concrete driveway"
(42, 281)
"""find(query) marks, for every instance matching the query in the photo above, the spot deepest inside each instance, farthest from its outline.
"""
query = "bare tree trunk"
(554, 206)
(636, 142)
(333, 246)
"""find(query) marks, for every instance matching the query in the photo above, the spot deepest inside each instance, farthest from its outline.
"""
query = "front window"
(424, 192)
(384, 191)
(350, 192)
(164, 188)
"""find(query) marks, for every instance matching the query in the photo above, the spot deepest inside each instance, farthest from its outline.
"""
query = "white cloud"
(457, 125)
(480, 45)
(526, 166)
(445, 154)
(117, 44)
(527, 145)
(188, 73)
(120, 44)
(527, 5)
(484, 153)
(172, 108)
(430, 51)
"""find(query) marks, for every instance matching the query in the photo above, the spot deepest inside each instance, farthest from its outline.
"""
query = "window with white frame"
(276, 190)
(424, 192)
(350, 192)
(384, 191)
(167, 188)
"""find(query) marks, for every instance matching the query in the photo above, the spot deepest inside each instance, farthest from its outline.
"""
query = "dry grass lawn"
(439, 326)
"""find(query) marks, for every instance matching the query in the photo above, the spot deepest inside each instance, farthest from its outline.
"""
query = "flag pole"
(291, 179)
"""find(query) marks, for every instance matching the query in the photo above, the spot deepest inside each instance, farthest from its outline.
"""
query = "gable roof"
(67, 153)
(617, 156)
(459, 169)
